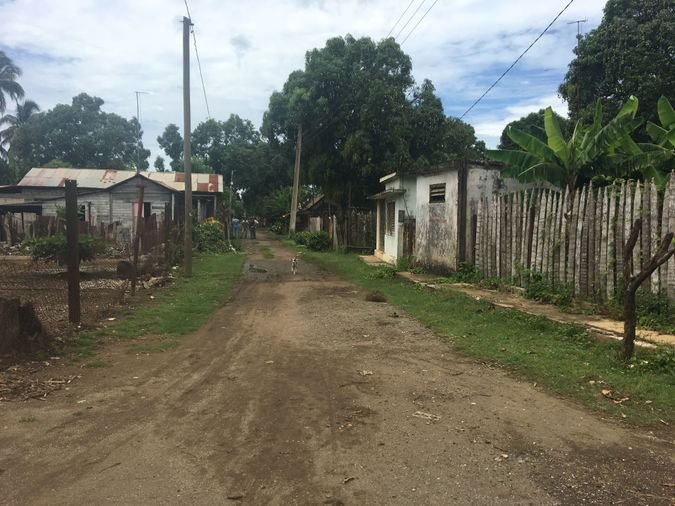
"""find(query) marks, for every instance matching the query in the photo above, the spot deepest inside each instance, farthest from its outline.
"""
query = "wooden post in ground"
(73, 247)
(137, 238)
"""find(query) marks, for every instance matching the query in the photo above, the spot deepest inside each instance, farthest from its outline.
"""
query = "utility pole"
(228, 221)
(296, 182)
(138, 134)
(187, 155)
(578, 22)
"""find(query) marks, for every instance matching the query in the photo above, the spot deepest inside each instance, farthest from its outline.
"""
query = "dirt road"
(300, 392)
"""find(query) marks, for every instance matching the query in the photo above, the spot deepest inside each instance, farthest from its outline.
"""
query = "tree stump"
(21, 330)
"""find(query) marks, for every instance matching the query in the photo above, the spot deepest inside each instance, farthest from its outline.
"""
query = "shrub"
(300, 238)
(55, 248)
(318, 241)
(209, 237)
(538, 288)
(383, 272)
(278, 228)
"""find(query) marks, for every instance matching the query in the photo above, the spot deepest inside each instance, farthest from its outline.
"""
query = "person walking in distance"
(252, 225)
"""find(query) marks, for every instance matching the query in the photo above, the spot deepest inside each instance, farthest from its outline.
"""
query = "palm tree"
(8, 85)
(14, 122)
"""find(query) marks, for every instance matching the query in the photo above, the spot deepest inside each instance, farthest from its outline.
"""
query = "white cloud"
(111, 49)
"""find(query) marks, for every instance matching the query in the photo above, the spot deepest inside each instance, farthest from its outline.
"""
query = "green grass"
(561, 358)
(266, 252)
(177, 310)
(27, 419)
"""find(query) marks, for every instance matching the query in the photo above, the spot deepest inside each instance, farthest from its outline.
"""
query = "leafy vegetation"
(209, 237)
(314, 241)
(176, 310)
(55, 248)
(77, 135)
(567, 163)
(561, 358)
(625, 55)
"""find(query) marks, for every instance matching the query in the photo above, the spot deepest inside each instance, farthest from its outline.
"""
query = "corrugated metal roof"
(103, 178)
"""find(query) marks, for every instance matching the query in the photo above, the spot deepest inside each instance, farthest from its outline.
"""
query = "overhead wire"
(418, 23)
(400, 18)
(410, 19)
(199, 63)
(478, 100)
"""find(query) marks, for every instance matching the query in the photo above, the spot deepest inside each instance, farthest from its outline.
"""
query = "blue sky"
(111, 49)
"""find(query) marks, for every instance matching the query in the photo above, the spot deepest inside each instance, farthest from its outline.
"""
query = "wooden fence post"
(73, 241)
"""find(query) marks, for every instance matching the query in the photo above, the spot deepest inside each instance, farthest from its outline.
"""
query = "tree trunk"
(629, 324)
(633, 282)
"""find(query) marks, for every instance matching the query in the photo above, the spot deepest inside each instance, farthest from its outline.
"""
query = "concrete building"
(429, 214)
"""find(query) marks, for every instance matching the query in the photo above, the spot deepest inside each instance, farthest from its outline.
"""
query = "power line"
(400, 17)
(199, 63)
(516, 61)
(420, 20)
(410, 19)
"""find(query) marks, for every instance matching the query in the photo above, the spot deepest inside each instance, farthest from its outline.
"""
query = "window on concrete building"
(436, 193)
(391, 217)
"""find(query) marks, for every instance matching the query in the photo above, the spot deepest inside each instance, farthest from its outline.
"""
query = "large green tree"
(631, 52)
(171, 141)
(361, 114)
(80, 135)
(9, 87)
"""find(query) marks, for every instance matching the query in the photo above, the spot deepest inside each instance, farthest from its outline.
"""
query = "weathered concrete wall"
(436, 223)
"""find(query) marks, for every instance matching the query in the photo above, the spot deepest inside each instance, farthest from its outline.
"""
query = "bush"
(538, 288)
(55, 248)
(278, 228)
(209, 237)
(300, 238)
(318, 241)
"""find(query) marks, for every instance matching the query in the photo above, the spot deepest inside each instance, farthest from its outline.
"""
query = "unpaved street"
(300, 392)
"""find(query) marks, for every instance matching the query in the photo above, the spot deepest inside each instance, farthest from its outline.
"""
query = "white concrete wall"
(393, 245)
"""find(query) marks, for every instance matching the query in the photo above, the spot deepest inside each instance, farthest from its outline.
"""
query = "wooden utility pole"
(296, 182)
(73, 238)
(187, 155)
(578, 22)
(228, 221)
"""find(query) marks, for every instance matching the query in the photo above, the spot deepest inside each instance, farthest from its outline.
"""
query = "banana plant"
(656, 160)
(591, 149)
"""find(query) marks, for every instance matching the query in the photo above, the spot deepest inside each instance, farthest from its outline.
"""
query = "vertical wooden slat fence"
(575, 240)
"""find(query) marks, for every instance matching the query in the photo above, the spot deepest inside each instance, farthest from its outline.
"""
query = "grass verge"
(176, 310)
(562, 358)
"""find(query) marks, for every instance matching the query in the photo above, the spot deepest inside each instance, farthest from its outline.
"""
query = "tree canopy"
(362, 117)
(81, 135)
(171, 141)
(629, 53)
(533, 124)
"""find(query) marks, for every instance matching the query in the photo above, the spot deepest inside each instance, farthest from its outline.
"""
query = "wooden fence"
(575, 240)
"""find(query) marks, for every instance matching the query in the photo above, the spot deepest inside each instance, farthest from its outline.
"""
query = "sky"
(112, 49)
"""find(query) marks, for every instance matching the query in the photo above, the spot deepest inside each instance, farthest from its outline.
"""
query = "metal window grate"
(391, 217)
(437, 193)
